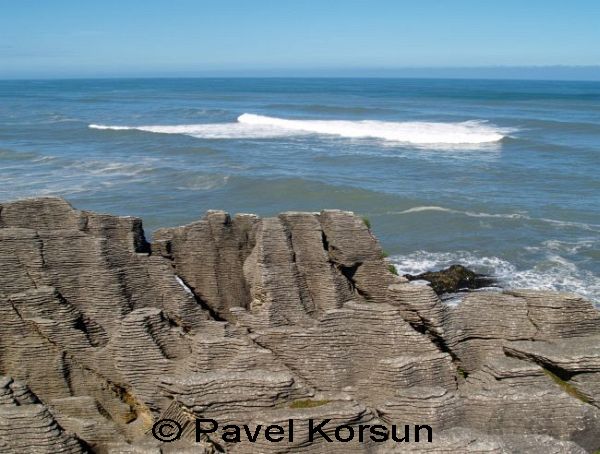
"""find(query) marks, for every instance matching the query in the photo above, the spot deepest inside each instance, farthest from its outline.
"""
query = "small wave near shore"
(554, 272)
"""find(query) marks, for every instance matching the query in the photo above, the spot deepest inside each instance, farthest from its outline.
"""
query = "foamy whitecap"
(469, 132)
(250, 126)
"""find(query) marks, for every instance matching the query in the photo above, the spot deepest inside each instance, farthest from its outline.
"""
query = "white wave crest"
(250, 126)
(470, 132)
(114, 128)
(420, 209)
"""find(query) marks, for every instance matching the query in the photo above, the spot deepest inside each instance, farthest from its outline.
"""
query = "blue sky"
(84, 38)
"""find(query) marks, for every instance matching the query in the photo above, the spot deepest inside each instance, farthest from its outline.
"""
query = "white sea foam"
(250, 126)
(113, 168)
(554, 272)
(202, 182)
(472, 214)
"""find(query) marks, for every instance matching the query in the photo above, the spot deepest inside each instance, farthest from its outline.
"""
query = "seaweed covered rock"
(453, 279)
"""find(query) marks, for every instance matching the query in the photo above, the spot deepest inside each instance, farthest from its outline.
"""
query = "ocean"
(501, 176)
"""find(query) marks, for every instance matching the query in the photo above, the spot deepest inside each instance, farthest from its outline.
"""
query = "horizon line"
(107, 78)
(499, 72)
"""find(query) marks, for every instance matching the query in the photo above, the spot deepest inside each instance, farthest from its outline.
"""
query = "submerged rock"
(248, 320)
(453, 279)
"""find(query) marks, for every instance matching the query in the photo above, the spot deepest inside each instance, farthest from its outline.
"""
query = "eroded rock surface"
(258, 321)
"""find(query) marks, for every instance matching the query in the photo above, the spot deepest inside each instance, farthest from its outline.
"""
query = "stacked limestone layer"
(257, 321)
(26, 425)
(532, 363)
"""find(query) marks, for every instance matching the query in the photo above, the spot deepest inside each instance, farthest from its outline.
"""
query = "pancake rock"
(26, 425)
(274, 321)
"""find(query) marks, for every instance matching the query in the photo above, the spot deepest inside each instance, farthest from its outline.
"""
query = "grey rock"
(26, 425)
(256, 321)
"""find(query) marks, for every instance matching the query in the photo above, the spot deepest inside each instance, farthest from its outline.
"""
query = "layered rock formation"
(258, 321)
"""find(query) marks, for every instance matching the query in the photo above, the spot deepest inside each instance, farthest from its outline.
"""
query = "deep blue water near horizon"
(498, 175)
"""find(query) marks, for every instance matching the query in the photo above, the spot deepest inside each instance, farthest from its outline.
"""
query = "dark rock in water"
(453, 279)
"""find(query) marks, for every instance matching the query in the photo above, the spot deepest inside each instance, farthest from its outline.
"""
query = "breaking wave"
(250, 126)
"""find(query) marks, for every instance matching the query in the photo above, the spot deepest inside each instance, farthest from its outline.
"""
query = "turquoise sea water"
(498, 175)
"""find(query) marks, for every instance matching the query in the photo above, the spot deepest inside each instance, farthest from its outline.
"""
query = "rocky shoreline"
(249, 320)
